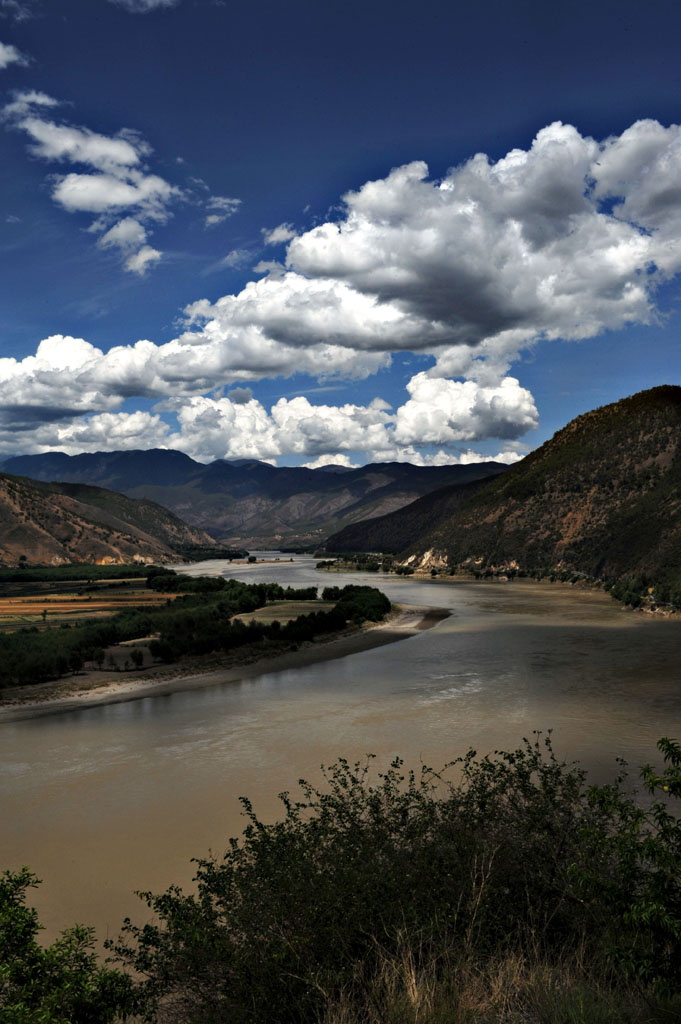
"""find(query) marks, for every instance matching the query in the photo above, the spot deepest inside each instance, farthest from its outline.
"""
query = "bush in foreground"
(397, 899)
(60, 984)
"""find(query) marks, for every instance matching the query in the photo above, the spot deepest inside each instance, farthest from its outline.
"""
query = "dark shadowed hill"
(602, 497)
(60, 523)
(398, 530)
(248, 502)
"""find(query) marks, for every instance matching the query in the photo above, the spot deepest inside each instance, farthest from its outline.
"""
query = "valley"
(106, 799)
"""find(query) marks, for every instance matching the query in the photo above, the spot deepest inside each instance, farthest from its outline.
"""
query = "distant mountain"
(117, 471)
(60, 523)
(248, 502)
(602, 497)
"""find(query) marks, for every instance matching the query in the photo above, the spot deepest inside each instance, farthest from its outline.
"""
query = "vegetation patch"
(186, 616)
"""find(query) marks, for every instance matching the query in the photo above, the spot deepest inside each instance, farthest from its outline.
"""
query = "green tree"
(60, 984)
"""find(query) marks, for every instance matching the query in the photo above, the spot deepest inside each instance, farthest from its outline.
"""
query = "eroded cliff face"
(602, 497)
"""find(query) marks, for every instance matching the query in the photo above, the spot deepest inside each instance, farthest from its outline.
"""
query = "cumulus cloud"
(528, 247)
(271, 267)
(47, 396)
(115, 180)
(126, 234)
(10, 55)
(129, 237)
(331, 460)
(52, 384)
(282, 233)
(140, 261)
(231, 427)
(240, 396)
(441, 410)
(566, 239)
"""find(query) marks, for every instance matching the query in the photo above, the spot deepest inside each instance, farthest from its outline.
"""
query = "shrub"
(519, 857)
(60, 984)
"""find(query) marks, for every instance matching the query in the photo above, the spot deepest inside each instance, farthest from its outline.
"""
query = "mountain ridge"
(248, 502)
(55, 524)
(602, 497)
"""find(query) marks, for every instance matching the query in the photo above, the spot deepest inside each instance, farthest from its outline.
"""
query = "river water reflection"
(104, 801)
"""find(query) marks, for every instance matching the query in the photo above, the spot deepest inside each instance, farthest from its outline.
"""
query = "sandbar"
(89, 689)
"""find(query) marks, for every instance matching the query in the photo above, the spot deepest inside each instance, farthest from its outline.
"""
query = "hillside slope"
(397, 530)
(60, 523)
(249, 502)
(602, 497)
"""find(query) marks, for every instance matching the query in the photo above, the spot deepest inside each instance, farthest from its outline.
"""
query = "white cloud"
(240, 427)
(522, 245)
(126, 234)
(443, 457)
(221, 207)
(331, 460)
(564, 240)
(69, 378)
(235, 258)
(139, 262)
(446, 411)
(144, 6)
(297, 311)
(100, 193)
(101, 432)
(271, 267)
(80, 145)
(129, 237)
(10, 55)
(282, 233)
(116, 180)
(25, 102)
(51, 385)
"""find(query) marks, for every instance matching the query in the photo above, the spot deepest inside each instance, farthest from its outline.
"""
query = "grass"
(284, 611)
(517, 989)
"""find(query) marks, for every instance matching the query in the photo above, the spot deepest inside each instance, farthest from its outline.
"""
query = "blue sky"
(343, 232)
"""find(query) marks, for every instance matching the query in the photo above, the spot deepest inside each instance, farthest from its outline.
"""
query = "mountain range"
(251, 503)
(601, 498)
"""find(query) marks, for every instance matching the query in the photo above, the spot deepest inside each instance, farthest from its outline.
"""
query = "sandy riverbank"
(88, 689)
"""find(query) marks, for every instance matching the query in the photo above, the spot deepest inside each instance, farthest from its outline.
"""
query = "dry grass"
(411, 989)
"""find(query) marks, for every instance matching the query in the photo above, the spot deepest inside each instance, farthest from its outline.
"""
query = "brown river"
(104, 801)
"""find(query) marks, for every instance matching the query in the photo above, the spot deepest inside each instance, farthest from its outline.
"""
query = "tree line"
(198, 621)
